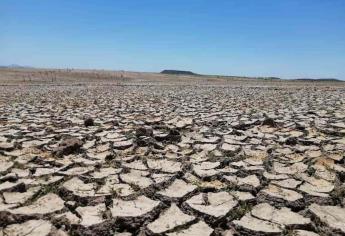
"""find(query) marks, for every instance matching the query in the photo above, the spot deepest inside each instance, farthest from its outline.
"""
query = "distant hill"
(267, 78)
(320, 80)
(177, 72)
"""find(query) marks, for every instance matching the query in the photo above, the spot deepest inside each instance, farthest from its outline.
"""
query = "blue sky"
(285, 38)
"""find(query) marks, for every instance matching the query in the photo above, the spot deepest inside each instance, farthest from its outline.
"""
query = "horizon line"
(17, 66)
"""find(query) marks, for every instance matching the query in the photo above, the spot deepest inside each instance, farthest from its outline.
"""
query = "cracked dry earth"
(172, 160)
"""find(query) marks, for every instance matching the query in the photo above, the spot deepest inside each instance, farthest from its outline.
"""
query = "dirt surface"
(126, 153)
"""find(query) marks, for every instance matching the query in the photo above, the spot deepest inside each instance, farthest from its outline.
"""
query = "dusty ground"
(119, 153)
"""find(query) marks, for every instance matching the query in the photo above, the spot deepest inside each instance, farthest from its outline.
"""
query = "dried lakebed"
(172, 160)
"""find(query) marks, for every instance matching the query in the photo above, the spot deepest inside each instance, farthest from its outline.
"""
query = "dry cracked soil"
(172, 159)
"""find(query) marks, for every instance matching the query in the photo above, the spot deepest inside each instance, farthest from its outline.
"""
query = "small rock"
(89, 122)
(269, 122)
(174, 135)
(144, 131)
(68, 146)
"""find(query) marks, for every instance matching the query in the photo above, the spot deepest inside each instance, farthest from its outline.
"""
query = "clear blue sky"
(286, 38)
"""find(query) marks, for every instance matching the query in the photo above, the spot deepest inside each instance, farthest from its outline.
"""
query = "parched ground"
(168, 156)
